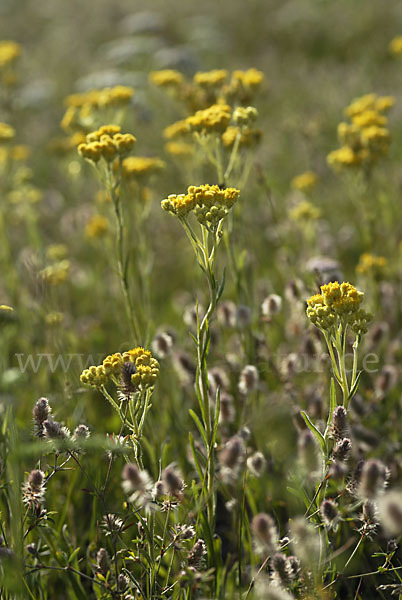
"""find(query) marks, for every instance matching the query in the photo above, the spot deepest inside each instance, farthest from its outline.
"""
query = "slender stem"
(113, 183)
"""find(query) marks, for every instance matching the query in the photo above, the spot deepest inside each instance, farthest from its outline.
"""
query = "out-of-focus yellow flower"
(384, 103)
(54, 318)
(9, 52)
(395, 46)
(366, 138)
(137, 167)
(7, 132)
(146, 370)
(97, 226)
(25, 194)
(251, 78)
(359, 105)
(56, 274)
(368, 118)
(342, 157)
(179, 148)
(305, 181)
(214, 119)
(305, 211)
(371, 264)
(212, 78)
(56, 251)
(176, 129)
(6, 308)
(80, 107)
(166, 78)
(338, 303)
(248, 137)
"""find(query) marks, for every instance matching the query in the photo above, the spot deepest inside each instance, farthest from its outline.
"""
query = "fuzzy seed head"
(373, 479)
(264, 529)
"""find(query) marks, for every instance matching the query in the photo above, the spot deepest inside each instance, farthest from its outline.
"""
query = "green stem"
(113, 186)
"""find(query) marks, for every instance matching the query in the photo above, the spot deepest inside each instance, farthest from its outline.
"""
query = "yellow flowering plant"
(210, 205)
(133, 374)
(334, 311)
(106, 149)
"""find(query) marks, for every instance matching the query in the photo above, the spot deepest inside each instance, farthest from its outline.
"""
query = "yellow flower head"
(248, 137)
(54, 318)
(359, 105)
(179, 205)
(395, 46)
(209, 203)
(368, 118)
(305, 211)
(146, 370)
(166, 78)
(371, 264)
(9, 52)
(6, 132)
(56, 274)
(304, 182)
(338, 303)
(176, 129)
(251, 78)
(211, 79)
(343, 157)
(137, 167)
(214, 119)
(96, 226)
(106, 142)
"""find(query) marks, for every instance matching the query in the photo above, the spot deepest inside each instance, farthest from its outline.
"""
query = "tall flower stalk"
(105, 149)
(210, 205)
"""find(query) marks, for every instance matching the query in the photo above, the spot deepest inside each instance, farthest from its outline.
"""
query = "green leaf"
(221, 286)
(196, 461)
(318, 435)
(73, 555)
(355, 386)
(200, 426)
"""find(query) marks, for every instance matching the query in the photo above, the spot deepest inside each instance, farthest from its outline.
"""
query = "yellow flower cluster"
(305, 181)
(243, 85)
(96, 226)
(305, 211)
(80, 107)
(209, 79)
(137, 167)
(209, 203)
(107, 142)
(9, 52)
(56, 274)
(209, 87)
(176, 129)
(338, 304)
(144, 376)
(395, 46)
(212, 119)
(7, 132)
(366, 138)
(166, 78)
(371, 264)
